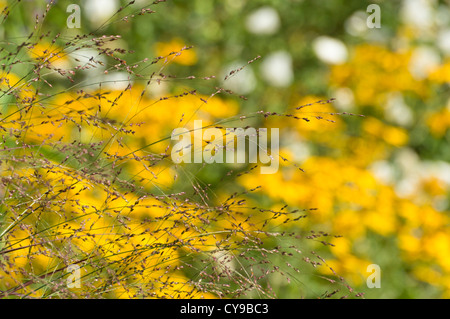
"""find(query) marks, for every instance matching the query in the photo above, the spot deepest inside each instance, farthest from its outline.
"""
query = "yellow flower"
(8, 81)
(437, 245)
(431, 219)
(410, 212)
(392, 135)
(439, 122)
(159, 176)
(12, 83)
(348, 223)
(381, 221)
(427, 274)
(342, 247)
(395, 136)
(441, 74)
(124, 292)
(409, 243)
(350, 267)
(181, 55)
(51, 53)
(434, 187)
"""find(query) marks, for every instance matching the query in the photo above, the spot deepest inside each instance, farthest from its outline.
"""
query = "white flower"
(116, 80)
(99, 11)
(330, 50)
(277, 69)
(87, 60)
(423, 61)
(417, 13)
(264, 20)
(443, 41)
(356, 25)
(397, 111)
(408, 163)
(437, 169)
(345, 99)
(241, 82)
(383, 171)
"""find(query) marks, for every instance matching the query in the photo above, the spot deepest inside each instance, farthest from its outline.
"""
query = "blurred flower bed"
(380, 181)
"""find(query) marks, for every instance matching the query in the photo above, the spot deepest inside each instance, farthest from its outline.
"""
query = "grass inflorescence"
(87, 181)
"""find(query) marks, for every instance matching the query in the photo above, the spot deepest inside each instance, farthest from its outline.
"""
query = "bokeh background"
(380, 181)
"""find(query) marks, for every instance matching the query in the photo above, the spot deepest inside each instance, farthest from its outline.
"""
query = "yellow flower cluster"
(94, 216)
(351, 202)
(367, 71)
(391, 135)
